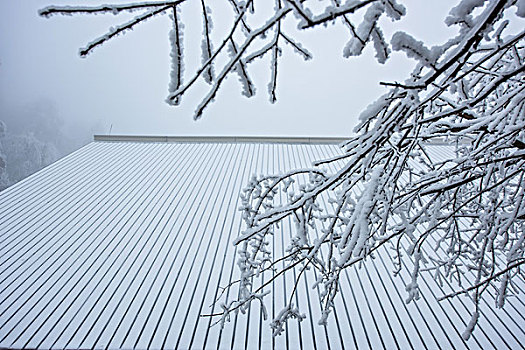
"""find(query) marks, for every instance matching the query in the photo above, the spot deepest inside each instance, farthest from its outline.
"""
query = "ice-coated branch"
(272, 85)
(233, 40)
(113, 9)
(246, 29)
(234, 64)
(469, 42)
(333, 13)
(276, 52)
(176, 54)
(206, 42)
(114, 31)
(435, 171)
(297, 47)
(210, 61)
(240, 68)
(485, 281)
(389, 186)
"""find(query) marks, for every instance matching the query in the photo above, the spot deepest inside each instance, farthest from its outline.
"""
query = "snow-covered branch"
(176, 54)
(392, 182)
(436, 171)
(114, 31)
(113, 9)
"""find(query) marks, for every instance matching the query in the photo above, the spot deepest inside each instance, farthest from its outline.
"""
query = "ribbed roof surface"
(126, 244)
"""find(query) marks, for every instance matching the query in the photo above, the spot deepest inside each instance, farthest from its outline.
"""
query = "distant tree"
(25, 155)
(31, 137)
(4, 180)
(388, 189)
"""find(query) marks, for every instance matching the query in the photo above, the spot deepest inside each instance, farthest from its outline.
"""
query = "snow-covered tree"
(4, 180)
(32, 136)
(387, 189)
(25, 155)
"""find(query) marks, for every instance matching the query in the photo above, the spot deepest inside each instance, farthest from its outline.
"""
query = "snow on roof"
(234, 139)
(127, 244)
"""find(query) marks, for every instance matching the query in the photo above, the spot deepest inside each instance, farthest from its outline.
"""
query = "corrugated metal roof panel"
(127, 244)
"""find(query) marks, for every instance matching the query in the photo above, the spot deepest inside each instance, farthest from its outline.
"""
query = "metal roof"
(126, 244)
(229, 139)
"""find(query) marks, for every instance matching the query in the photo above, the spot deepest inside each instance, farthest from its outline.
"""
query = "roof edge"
(237, 139)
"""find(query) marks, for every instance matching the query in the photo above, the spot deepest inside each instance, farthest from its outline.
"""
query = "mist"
(34, 135)
(54, 101)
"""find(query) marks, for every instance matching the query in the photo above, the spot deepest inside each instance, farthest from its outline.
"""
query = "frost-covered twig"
(206, 42)
(234, 62)
(113, 9)
(435, 171)
(413, 196)
(114, 31)
(176, 54)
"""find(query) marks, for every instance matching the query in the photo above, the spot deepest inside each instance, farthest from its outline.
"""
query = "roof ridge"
(237, 139)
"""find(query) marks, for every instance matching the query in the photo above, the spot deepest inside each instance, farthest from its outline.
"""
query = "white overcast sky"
(123, 84)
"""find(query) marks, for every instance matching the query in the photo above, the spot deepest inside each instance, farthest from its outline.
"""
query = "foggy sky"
(122, 85)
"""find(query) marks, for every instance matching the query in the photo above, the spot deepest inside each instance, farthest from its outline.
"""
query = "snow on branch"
(237, 44)
(297, 47)
(331, 12)
(206, 45)
(435, 173)
(114, 31)
(363, 32)
(176, 54)
(236, 65)
(248, 89)
(113, 9)
(183, 89)
(402, 41)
